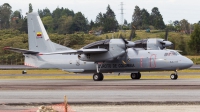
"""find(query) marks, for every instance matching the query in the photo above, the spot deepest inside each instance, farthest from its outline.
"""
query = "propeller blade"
(126, 42)
(166, 34)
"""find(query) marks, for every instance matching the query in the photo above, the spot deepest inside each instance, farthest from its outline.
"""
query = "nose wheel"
(174, 76)
(136, 75)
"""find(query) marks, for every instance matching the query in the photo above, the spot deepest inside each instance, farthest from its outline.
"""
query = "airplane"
(104, 56)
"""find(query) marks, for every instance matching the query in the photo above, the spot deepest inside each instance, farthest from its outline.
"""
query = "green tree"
(5, 14)
(99, 19)
(107, 20)
(182, 46)
(136, 17)
(30, 8)
(16, 20)
(145, 18)
(80, 23)
(177, 25)
(24, 28)
(156, 19)
(125, 22)
(92, 24)
(185, 26)
(48, 23)
(58, 13)
(45, 12)
(194, 42)
(65, 24)
(170, 26)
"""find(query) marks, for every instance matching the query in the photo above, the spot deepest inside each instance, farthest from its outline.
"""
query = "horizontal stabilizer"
(24, 51)
(80, 51)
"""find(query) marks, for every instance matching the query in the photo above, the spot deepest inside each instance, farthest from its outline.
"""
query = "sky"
(171, 10)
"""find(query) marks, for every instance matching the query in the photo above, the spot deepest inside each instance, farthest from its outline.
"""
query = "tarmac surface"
(117, 91)
(86, 95)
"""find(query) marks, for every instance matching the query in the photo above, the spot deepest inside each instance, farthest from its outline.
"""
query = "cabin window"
(171, 53)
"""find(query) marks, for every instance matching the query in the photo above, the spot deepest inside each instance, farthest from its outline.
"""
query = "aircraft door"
(152, 61)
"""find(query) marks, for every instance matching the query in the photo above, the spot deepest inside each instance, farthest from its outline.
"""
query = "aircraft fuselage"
(141, 60)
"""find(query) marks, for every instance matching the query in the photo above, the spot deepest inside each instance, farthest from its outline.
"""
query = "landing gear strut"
(98, 76)
(174, 76)
(136, 75)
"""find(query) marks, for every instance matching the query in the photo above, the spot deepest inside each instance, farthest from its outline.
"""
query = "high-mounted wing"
(80, 51)
(24, 51)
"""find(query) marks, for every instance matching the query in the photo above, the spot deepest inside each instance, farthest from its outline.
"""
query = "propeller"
(132, 35)
(166, 34)
(165, 43)
(128, 43)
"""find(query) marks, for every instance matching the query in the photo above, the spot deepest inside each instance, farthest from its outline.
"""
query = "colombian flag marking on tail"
(39, 35)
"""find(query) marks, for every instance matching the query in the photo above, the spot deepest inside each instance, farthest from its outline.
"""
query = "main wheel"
(173, 76)
(134, 75)
(101, 76)
(98, 77)
(138, 75)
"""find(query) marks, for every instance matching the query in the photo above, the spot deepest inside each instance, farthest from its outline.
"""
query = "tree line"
(142, 20)
(61, 20)
(65, 21)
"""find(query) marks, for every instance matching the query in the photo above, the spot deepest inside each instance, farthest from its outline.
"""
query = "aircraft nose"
(187, 63)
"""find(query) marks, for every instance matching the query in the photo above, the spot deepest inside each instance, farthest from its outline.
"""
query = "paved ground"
(107, 84)
(124, 92)
(88, 91)
(137, 108)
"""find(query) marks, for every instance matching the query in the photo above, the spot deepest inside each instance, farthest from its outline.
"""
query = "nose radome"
(188, 62)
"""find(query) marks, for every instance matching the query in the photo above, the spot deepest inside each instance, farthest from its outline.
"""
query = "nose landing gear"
(174, 76)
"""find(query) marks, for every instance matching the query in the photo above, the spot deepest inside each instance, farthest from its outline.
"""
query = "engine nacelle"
(116, 48)
(166, 43)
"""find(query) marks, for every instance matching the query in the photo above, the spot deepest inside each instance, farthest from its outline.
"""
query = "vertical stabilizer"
(38, 38)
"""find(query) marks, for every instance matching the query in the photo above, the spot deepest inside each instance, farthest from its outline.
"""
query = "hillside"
(14, 38)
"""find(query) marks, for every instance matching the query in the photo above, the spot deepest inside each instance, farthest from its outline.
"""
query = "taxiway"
(107, 91)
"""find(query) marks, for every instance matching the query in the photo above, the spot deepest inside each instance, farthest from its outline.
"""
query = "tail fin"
(38, 38)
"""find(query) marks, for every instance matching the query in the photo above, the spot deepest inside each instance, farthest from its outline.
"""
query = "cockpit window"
(98, 44)
(165, 54)
(178, 53)
(171, 53)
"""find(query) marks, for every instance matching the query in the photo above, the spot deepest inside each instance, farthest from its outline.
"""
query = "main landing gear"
(98, 76)
(136, 75)
(174, 76)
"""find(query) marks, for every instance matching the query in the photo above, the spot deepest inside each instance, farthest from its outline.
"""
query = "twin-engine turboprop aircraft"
(105, 56)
